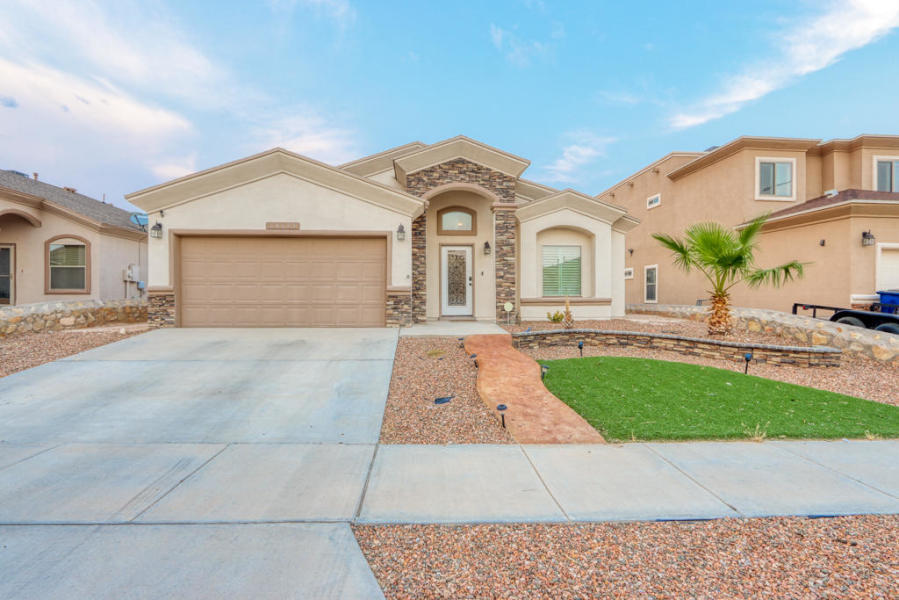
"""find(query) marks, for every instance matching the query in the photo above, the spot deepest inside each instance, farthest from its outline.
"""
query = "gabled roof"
(100, 213)
(266, 164)
(382, 161)
(865, 139)
(459, 147)
(531, 190)
(577, 202)
(650, 166)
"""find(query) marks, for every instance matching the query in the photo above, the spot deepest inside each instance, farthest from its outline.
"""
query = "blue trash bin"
(888, 297)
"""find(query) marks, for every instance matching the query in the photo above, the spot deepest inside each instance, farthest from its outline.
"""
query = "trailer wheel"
(851, 321)
(888, 327)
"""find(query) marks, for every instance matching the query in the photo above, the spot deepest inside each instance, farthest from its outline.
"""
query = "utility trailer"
(882, 316)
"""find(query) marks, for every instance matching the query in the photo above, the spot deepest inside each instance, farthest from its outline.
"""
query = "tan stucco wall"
(109, 256)
(280, 198)
(725, 192)
(483, 271)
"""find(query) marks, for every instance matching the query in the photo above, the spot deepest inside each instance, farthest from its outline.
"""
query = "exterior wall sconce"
(630, 251)
(156, 231)
(487, 248)
(822, 243)
(400, 233)
(868, 238)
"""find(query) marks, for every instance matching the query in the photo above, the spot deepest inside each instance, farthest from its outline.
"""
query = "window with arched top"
(68, 260)
(456, 220)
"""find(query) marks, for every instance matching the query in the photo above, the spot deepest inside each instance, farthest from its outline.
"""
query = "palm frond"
(776, 276)
(680, 250)
(747, 236)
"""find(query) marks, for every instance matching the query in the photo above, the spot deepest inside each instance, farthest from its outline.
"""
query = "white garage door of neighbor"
(888, 269)
(282, 282)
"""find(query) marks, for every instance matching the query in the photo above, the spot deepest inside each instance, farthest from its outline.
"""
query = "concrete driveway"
(188, 459)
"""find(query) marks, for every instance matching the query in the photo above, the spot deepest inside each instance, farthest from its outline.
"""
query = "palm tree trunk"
(719, 319)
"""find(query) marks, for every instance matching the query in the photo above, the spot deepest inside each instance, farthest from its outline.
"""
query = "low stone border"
(797, 356)
(878, 345)
(52, 316)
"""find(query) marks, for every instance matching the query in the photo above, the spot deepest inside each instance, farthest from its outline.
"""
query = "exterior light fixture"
(543, 370)
(580, 346)
(822, 243)
(868, 238)
(630, 251)
(400, 233)
(747, 357)
(502, 413)
(487, 248)
(156, 231)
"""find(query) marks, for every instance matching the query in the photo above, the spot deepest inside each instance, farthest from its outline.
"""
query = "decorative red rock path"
(534, 415)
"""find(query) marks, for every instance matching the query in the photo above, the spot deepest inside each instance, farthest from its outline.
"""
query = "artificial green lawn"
(635, 398)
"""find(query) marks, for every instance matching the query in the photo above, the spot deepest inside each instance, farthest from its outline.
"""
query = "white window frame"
(758, 184)
(580, 258)
(650, 205)
(628, 272)
(645, 269)
(878, 259)
(874, 168)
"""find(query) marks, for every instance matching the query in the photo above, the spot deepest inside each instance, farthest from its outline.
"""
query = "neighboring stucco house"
(418, 232)
(57, 244)
(834, 205)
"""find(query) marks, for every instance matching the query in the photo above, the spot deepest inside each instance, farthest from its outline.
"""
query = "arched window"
(456, 220)
(68, 259)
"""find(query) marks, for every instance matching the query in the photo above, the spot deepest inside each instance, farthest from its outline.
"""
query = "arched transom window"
(456, 220)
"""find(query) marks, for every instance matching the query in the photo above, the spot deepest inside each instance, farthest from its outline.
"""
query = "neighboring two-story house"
(833, 205)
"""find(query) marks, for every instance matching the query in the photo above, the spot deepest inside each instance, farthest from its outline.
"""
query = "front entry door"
(7, 274)
(455, 280)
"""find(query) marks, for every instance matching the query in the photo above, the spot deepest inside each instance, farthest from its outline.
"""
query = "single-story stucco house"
(415, 233)
(57, 244)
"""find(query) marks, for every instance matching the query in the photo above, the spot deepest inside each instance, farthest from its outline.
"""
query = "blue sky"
(111, 97)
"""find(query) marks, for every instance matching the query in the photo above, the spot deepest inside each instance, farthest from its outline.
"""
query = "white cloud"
(619, 97)
(517, 50)
(309, 134)
(584, 149)
(175, 167)
(806, 47)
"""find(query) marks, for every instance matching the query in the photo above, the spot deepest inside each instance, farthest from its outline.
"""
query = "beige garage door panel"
(282, 282)
(888, 277)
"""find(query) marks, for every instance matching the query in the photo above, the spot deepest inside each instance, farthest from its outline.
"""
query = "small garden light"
(580, 346)
(747, 357)
(502, 413)
(543, 371)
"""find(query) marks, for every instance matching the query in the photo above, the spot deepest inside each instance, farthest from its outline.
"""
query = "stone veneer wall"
(52, 316)
(762, 353)
(419, 299)
(879, 345)
(503, 186)
(162, 310)
(399, 309)
(461, 171)
(505, 263)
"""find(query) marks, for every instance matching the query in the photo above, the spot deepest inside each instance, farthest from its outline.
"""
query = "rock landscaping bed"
(27, 350)
(730, 558)
(856, 376)
(428, 368)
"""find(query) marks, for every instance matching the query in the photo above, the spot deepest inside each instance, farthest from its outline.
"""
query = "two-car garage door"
(282, 282)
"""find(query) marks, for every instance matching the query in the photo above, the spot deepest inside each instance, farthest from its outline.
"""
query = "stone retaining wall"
(52, 316)
(879, 345)
(798, 356)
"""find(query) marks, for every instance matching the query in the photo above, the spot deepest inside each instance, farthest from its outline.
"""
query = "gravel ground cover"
(637, 398)
(856, 376)
(847, 557)
(668, 325)
(21, 352)
(427, 368)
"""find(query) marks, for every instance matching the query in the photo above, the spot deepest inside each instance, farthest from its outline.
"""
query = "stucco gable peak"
(460, 147)
(266, 164)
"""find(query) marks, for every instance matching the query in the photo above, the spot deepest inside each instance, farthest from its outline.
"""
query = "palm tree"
(726, 257)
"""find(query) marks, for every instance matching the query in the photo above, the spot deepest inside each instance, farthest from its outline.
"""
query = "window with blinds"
(68, 266)
(561, 270)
